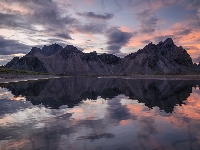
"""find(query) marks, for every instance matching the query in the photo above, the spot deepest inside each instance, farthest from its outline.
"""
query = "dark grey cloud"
(147, 30)
(50, 16)
(147, 21)
(146, 41)
(12, 47)
(63, 35)
(114, 47)
(151, 21)
(116, 39)
(148, 25)
(182, 31)
(143, 14)
(194, 4)
(94, 28)
(177, 34)
(46, 13)
(117, 111)
(13, 21)
(93, 15)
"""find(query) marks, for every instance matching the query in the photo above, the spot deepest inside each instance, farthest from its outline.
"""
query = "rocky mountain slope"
(163, 58)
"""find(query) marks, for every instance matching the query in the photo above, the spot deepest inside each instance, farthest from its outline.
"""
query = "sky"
(105, 26)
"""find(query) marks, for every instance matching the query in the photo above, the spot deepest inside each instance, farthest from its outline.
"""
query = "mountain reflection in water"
(100, 113)
(71, 91)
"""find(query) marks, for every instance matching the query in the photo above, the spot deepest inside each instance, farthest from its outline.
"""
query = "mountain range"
(162, 58)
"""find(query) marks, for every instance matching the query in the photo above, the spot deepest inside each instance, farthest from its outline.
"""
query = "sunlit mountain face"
(104, 26)
(100, 113)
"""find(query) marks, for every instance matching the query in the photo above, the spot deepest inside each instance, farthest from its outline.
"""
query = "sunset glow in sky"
(106, 26)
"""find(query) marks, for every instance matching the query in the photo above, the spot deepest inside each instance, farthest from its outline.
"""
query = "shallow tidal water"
(88, 113)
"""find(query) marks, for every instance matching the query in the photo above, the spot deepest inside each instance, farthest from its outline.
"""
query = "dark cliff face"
(46, 50)
(54, 93)
(50, 50)
(69, 51)
(163, 58)
(13, 62)
(196, 66)
(30, 63)
(103, 58)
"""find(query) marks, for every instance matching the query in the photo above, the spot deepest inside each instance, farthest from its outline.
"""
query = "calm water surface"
(100, 114)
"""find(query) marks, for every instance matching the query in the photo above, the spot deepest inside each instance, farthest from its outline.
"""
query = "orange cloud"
(125, 122)
(16, 7)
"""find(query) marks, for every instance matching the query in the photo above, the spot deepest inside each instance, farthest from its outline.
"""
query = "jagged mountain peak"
(51, 49)
(69, 51)
(47, 50)
(71, 48)
(33, 51)
(168, 41)
(163, 58)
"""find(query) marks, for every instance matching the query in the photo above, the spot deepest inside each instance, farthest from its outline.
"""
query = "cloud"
(116, 39)
(144, 14)
(196, 60)
(147, 21)
(198, 13)
(182, 31)
(46, 13)
(194, 4)
(118, 112)
(12, 21)
(192, 47)
(114, 47)
(93, 28)
(50, 16)
(12, 47)
(146, 41)
(162, 38)
(92, 15)
(147, 30)
(63, 35)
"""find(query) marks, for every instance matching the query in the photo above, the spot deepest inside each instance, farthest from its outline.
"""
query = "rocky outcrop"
(71, 61)
(30, 63)
(197, 66)
(163, 58)
(46, 50)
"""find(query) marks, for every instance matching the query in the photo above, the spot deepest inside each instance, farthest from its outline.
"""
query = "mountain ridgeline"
(163, 58)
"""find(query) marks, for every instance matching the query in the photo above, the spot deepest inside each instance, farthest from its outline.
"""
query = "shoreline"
(157, 77)
(9, 78)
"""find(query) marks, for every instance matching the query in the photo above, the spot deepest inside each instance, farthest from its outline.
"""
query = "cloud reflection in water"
(91, 113)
